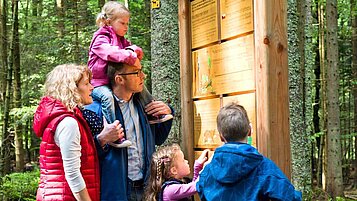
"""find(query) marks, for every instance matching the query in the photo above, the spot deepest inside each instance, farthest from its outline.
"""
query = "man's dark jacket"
(114, 161)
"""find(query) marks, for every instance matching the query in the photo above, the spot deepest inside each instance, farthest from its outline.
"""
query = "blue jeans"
(104, 95)
(136, 190)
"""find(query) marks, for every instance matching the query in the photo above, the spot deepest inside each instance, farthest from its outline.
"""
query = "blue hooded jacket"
(239, 172)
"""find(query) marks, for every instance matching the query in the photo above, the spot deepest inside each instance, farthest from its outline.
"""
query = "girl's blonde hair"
(161, 162)
(62, 84)
(111, 11)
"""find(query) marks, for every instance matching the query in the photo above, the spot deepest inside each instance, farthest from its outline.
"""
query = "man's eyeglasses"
(137, 73)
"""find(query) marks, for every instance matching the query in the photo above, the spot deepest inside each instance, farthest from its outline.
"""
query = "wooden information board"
(204, 22)
(235, 50)
(205, 114)
(205, 127)
(224, 68)
(236, 17)
(221, 69)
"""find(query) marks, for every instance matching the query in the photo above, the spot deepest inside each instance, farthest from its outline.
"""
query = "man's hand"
(157, 108)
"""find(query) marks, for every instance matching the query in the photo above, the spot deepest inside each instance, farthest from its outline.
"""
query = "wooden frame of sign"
(235, 50)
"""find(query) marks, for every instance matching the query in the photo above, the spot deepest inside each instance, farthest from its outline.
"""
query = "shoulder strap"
(164, 185)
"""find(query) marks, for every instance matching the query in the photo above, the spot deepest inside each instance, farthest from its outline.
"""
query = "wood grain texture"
(271, 63)
(186, 81)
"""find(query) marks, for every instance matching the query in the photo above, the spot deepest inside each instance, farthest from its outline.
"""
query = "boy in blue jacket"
(237, 170)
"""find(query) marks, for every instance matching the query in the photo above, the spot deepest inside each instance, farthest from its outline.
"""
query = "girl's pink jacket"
(107, 46)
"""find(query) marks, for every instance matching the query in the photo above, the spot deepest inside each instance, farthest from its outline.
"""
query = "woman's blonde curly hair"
(62, 84)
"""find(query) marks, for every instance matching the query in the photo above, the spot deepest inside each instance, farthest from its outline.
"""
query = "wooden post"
(271, 62)
(186, 80)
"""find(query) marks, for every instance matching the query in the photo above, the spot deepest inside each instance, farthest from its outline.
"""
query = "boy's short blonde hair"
(233, 122)
(62, 84)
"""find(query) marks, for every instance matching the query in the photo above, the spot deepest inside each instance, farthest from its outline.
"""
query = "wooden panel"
(204, 25)
(248, 102)
(236, 17)
(186, 81)
(224, 68)
(271, 61)
(205, 127)
(198, 154)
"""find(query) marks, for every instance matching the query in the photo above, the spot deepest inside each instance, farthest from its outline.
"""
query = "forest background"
(37, 35)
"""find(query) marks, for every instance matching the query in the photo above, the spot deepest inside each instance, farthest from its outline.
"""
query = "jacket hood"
(48, 109)
(233, 161)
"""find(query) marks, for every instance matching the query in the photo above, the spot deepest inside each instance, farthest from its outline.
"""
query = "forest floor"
(351, 194)
(320, 195)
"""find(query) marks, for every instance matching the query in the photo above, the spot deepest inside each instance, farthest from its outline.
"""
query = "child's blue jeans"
(105, 96)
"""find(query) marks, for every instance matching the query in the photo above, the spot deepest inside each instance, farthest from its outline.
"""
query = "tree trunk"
(299, 136)
(126, 3)
(76, 30)
(19, 149)
(60, 18)
(40, 7)
(35, 7)
(140, 33)
(26, 13)
(147, 45)
(165, 60)
(354, 74)
(317, 162)
(309, 59)
(3, 55)
(5, 140)
(308, 63)
(84, 15)
(334, 185)
(27, 132)
(101, 3)
(321, 145)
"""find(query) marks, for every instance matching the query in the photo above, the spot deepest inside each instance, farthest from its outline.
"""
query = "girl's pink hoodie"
(107, 46)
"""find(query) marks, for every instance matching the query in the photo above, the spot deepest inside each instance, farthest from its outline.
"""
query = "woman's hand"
(82, 195)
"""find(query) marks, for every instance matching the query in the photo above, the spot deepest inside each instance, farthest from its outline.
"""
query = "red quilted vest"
(53, 184)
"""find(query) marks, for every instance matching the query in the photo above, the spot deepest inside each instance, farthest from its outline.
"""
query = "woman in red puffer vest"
(69, 166)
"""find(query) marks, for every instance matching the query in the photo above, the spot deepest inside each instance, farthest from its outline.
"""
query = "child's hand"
(139, 53)
(203, 157)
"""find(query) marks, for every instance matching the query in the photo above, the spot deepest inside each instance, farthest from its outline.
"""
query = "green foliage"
(319, 194)
(342, 199)
(20, 186)
(24, 114)
(317, 135)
